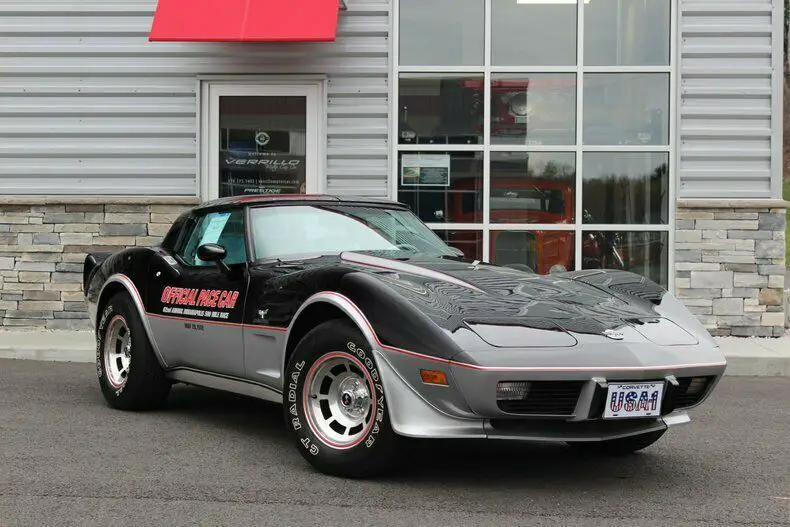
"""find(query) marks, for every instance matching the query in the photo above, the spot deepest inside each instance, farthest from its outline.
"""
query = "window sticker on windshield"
(216, 224)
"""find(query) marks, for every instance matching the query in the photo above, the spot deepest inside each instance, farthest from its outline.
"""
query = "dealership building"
(559, 134)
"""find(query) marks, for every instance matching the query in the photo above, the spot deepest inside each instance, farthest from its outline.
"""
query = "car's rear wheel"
(335, 405)
(619, 447)
(129, 373)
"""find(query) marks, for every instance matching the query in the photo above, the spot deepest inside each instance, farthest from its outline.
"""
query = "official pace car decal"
(198, 302)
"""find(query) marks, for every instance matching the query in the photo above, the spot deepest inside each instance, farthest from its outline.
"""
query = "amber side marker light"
(434, 377)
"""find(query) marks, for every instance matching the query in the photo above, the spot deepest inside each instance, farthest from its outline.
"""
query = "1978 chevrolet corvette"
(367, 327)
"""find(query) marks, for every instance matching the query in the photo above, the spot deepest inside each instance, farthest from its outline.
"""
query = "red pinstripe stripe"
(516, 368)
(435, 359)
(217, 322)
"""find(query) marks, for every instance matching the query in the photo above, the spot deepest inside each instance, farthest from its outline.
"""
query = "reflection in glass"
(532, 33)
(442, 187)
(626, 187)
(643, 253)
(441, 32)
(533, 109)
(440, 110)
(262, 145)
(626, 108)
(470, 242)
(543, 252)
(631, 33)
(533, 187)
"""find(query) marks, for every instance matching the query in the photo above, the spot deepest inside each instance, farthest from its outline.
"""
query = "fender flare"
(137, 300)
(430, 421)
(345, 305)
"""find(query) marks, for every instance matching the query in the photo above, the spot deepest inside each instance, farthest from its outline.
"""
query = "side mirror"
(211, 252)
(458, 252)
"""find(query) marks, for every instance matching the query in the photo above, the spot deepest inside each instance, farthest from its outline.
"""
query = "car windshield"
(298, 230)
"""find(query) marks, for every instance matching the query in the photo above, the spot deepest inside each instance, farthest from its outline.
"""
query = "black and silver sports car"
(369, 328)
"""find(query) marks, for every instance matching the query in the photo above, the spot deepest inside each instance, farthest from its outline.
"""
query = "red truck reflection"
(522, 201)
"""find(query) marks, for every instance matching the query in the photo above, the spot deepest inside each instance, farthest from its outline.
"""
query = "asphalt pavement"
(216, 459)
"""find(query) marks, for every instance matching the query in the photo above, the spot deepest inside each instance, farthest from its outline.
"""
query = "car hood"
(511, 308)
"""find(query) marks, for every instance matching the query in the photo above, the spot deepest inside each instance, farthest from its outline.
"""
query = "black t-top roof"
(292, 199)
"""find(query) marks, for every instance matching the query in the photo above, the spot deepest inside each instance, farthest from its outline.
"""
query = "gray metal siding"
(89, 106)
(729, 133)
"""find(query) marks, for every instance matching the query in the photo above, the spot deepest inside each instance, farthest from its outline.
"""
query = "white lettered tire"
(335, 404)
(129, 373)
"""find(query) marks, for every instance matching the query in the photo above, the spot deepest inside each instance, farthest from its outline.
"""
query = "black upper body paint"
(414, 308)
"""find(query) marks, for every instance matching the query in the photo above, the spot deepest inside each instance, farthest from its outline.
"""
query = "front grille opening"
(691, 390)
(539, 397)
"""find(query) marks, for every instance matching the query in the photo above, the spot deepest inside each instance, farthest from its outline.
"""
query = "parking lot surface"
(216, 459)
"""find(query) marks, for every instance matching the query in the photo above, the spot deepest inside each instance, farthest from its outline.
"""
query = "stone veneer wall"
(729, 257)
(43, 246)
(730, 265)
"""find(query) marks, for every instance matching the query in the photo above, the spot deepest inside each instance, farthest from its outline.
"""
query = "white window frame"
(312, 88)
(487, 69)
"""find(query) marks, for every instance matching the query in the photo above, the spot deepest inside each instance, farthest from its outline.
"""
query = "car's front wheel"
(129, 373)
(619, 447)
(334, 403)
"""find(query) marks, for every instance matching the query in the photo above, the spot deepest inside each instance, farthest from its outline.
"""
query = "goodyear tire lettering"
(368, 362)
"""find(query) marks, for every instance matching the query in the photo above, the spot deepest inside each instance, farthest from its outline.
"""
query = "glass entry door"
(263, 139)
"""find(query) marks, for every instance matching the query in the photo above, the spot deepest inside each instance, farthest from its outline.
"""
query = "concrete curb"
(762, 357)
(45, 345)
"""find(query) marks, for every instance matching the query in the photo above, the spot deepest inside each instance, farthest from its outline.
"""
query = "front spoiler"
(412, 416)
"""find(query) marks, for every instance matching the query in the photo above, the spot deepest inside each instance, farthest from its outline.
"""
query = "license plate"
(634, 400)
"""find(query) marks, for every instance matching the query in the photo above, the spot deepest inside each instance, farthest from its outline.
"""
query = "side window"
(224, 228)
(174, 234)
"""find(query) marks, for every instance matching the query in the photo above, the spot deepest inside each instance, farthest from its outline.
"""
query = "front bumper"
(469, 409)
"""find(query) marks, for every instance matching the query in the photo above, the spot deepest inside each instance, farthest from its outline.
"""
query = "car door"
(196, 307)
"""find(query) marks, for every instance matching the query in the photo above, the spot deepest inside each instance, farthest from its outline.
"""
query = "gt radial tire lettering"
(295, 423)
(100, 341)
(309, 446)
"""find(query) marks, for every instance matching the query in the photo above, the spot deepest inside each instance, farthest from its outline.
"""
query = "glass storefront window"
(631, 33)
(533, 33)
(441, 32)
(533, 187)
(542, 251)
(534, 109)
(468, 242)
(442, 187)
(440, 110)
(626, 187)
(262, 145)
(644, 253)
(521, 156)
(626, 108)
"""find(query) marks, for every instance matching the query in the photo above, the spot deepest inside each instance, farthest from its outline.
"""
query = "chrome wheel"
(117, 352)
(338, 400)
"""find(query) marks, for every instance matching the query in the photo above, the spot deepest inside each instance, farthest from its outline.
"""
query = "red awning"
(245, 21)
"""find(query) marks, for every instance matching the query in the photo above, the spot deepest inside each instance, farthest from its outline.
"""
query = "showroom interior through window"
(538, 132)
